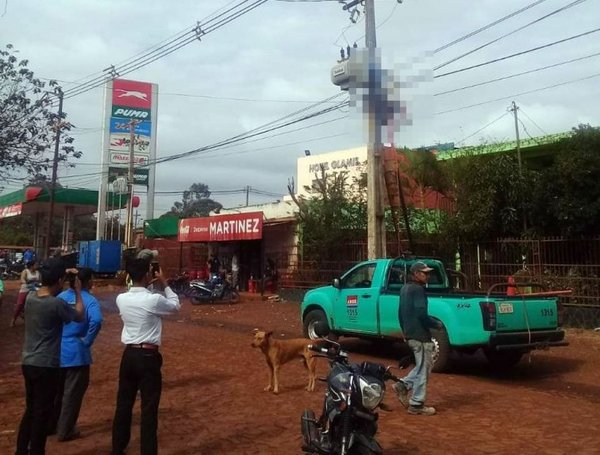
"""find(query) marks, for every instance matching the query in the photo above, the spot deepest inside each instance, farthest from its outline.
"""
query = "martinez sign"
(221, 228)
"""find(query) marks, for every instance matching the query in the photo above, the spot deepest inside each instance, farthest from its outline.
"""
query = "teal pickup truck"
(364, 303)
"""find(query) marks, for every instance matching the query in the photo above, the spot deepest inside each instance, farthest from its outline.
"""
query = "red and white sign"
(132, 94)
(123, 158)
(352, 301)
(222, 228)
(11, 210)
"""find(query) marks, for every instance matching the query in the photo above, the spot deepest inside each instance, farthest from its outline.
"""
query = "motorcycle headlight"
(371, 393)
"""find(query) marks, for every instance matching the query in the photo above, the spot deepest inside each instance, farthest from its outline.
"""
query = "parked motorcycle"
(216, 288)
(11, 270)
(180, 284)
(348, 422)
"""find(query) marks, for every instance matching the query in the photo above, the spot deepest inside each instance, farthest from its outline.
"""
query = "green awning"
(166, 226)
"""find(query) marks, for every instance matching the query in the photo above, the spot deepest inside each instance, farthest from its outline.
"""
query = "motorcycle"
(348, 422)
(11, 270)
(216, 288)
(180, 284)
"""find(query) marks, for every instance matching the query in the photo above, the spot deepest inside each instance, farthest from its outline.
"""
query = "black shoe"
(74, 435)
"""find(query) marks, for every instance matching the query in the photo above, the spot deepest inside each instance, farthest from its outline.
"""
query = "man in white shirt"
(141, 312)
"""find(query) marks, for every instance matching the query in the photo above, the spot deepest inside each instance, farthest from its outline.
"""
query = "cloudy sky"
(277, 59)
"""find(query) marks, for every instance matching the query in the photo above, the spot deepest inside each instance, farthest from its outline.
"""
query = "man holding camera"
(45, 315)
(76, 358)
(141, 312)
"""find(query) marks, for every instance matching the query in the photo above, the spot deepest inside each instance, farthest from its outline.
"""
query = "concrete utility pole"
(247, 195)
(376, 244)
(514, 110)
(130, 177)
(58, 127)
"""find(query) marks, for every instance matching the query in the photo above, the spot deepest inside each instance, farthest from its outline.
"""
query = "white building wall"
(353, 161)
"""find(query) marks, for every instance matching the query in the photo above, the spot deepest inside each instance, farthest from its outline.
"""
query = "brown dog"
(279, 352)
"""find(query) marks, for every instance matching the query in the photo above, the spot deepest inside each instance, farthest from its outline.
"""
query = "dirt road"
(213, 400)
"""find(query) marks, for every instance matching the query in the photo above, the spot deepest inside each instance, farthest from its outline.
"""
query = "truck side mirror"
(336, 283)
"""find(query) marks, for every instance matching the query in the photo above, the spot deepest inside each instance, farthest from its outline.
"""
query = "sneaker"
(421, 410)
(401, 392)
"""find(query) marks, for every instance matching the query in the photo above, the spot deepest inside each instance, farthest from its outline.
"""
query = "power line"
(529, 24)
(518, 74)
(488, 26)
(181, 40)
(518, 94)
(483, 128)
(506, 57)
(532, 121)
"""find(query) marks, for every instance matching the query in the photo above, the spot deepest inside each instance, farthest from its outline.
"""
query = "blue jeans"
(417, 379)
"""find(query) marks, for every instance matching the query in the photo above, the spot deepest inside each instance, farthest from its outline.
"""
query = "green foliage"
(195, 202)
(28, 120)
(490, 195)
(567, 196)
(333, 215)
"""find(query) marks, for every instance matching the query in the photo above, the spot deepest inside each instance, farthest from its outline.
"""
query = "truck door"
(355, 309)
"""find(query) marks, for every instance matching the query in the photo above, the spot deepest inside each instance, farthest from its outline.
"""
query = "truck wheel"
(310, 320)
(502, 360)
(441, 351)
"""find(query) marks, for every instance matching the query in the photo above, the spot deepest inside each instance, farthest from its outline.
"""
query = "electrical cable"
(532, 121)
(529, 24)
(488, 26)
(483, 128)
(170, 46)
(519, 94)
(518, 74)
(506, 57)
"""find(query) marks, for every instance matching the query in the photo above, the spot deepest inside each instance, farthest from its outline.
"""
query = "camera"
(155, 268)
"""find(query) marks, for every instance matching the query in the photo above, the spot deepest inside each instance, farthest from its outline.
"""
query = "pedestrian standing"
(30, 277)
(76, 358)
(141, 312)
(235, 271)
(45, 315)
(416, 324)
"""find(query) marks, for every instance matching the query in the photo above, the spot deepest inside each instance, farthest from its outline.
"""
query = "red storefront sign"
(11, 210)
(222, 228)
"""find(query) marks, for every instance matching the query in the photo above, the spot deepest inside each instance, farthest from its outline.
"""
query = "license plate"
(505, 308)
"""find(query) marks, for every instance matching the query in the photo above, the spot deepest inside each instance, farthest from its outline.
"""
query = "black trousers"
(40, 389)
(72, 386)
(140, 370)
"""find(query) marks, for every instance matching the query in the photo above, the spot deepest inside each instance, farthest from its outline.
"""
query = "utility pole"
(514, 110)
(376, 244)
(129, 222)
(247, 195)
(58, 127)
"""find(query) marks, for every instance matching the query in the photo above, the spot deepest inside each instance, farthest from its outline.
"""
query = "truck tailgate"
(517, 314)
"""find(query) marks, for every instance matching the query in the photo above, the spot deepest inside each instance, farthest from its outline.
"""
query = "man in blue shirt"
(76, 358)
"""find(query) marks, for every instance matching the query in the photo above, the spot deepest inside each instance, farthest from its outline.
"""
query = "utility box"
(102, 256)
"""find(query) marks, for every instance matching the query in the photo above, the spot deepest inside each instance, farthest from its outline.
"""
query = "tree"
(333, 215)
(567, 194)
(195, 202)
(28, 123)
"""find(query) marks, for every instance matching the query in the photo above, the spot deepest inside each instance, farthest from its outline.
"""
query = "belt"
(144, 346)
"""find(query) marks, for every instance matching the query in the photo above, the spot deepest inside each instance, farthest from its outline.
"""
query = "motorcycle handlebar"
(331, 352)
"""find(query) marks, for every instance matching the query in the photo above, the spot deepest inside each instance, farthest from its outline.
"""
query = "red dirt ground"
(213, 400)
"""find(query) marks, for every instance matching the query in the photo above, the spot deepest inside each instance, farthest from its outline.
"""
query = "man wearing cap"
(416, 325)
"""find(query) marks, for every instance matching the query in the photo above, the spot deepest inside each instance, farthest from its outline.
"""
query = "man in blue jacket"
(76, 358)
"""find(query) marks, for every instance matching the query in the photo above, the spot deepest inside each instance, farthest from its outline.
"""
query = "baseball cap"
(148, 255)
(420, 267)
